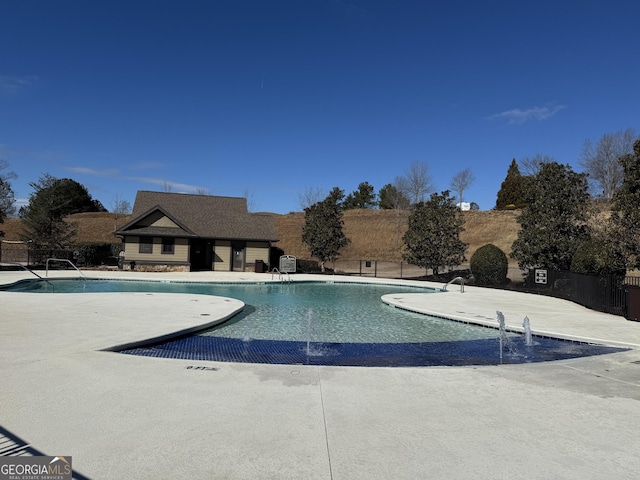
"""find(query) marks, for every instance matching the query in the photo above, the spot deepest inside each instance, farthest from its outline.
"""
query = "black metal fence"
(32, 257)
(607, 293)
(82, 255)
(377, 268)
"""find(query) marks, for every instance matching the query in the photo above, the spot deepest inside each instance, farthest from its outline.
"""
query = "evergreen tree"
(322, 230)
(512, 189)
(432, 239)
(51, 201)
(596, 257)
(363, 197)
(626, 215)
(336, 196)
(392, 198)
(554, 223)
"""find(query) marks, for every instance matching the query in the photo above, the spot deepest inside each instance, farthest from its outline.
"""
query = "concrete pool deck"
(124, 416)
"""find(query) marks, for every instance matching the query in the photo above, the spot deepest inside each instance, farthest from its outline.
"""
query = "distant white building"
(464, 206)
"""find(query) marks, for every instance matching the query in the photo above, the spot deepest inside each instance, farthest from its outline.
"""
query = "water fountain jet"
(528, 338)
(504, 339)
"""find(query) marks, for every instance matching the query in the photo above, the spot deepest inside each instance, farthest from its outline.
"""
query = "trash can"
(633, 303)
(259, 268)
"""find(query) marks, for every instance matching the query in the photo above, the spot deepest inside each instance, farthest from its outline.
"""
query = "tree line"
(408, 189)
(52, 200)
(559, 227)
(599, 161)
(555, 202)
(432, 239)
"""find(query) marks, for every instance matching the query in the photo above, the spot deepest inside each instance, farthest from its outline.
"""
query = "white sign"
(541, 276)
(288, 264)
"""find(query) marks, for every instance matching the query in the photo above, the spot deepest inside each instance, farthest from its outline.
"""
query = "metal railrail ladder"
(16, 264)
(444, 289)
(62, 260)
(280, 275)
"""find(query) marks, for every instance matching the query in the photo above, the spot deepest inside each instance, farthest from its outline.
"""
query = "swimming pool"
(326, 323)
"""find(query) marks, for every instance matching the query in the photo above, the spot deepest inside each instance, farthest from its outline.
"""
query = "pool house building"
(183, 232)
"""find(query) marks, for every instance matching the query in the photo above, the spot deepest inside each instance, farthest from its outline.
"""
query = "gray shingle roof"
(204, 215)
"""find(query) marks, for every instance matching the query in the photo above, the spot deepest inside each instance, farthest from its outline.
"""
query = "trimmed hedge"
(489, 265)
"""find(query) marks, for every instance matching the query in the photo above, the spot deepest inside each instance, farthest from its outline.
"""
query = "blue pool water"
(326, 323)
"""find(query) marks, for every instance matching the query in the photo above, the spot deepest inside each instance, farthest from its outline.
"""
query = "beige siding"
(257, 251)
(222, 256)
(157, 219)
(164, 222)
(131, 248)
(132, 251)
(181, 250)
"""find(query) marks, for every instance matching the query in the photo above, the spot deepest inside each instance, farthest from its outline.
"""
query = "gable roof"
(203, 216)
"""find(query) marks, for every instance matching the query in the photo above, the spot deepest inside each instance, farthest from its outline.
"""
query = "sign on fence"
(541, 276)
(288, 264)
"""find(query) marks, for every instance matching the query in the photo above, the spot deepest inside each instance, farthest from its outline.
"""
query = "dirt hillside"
(374, 234)
(377, 234)
(91, 227)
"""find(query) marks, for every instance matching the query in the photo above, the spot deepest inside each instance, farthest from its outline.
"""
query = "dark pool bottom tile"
(469, 352)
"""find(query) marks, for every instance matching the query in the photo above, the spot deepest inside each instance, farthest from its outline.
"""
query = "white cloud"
(518, 116)
(11, 84)
(108, 172)
(175, 187)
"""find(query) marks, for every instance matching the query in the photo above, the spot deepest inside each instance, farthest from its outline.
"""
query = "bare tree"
(6, 176)
(530, 166)
(202, 191)
(7, 199)
(600, 161)
(310, 196)
(119, 207)
(250, 198)
(417, 182)
(166, 187)
(462, 181)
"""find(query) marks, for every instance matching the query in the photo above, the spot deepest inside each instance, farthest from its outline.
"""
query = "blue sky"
(273, 98)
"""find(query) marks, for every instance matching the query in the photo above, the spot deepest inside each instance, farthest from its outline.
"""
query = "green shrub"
(489, 265)
(116, 248)
(95, 254)
(595, 257)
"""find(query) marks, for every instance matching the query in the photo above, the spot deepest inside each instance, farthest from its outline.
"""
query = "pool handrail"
(444, 289)
(61, 260)
(17, 264)
(280, 275)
